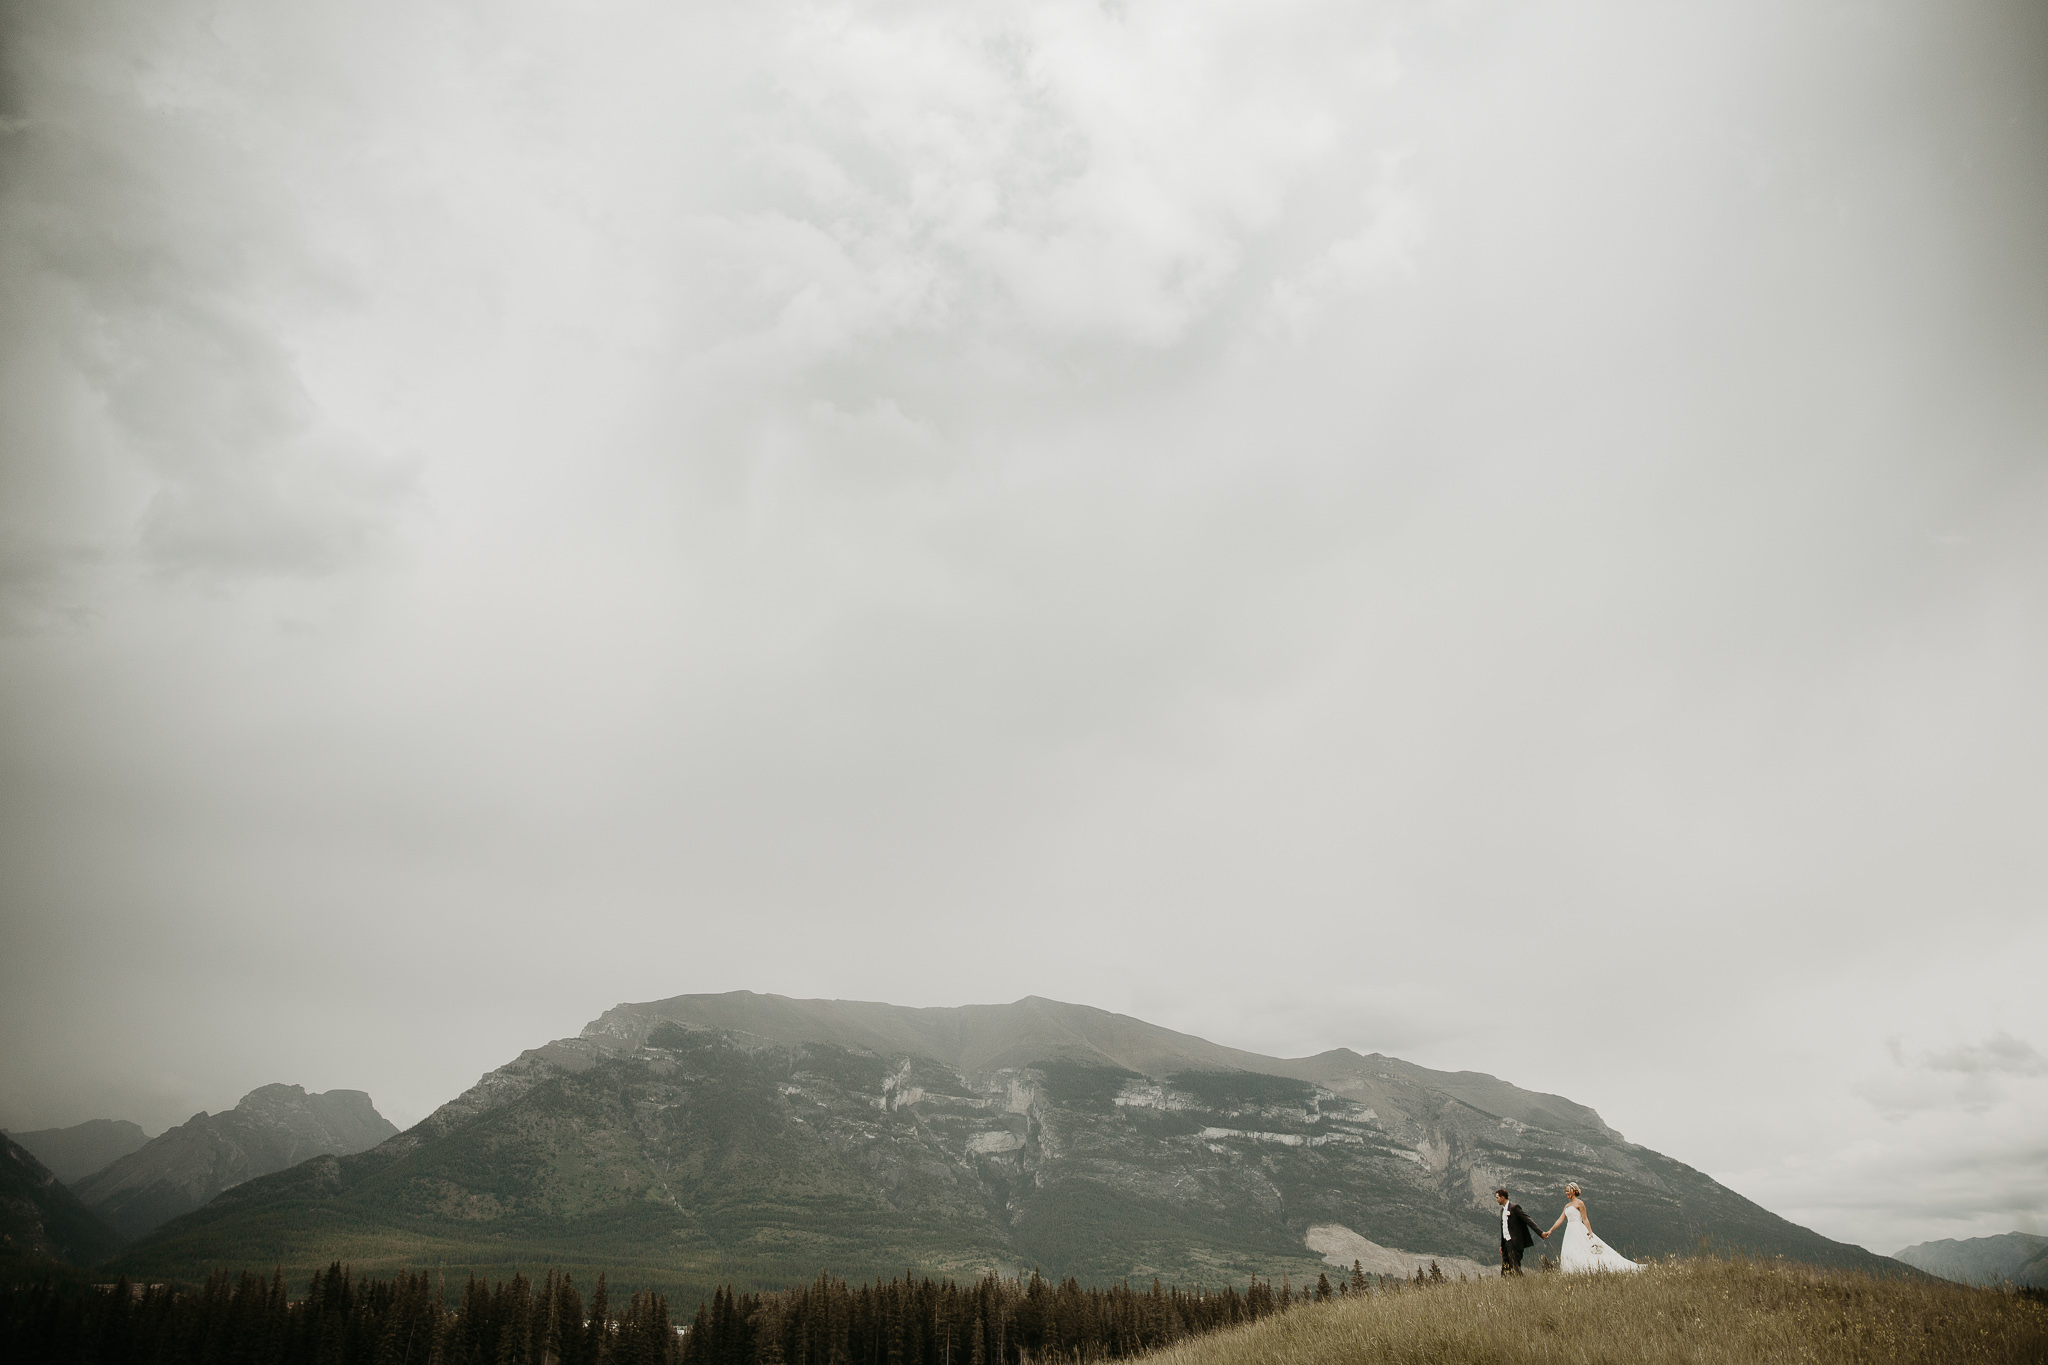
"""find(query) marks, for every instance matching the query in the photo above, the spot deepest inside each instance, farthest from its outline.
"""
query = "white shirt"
(1503, 1222)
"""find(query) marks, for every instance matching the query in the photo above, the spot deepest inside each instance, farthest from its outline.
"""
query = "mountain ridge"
(758, 1139)
(1065, 1030)
(2016, 1258)
(273, 1128)
(83, 1148)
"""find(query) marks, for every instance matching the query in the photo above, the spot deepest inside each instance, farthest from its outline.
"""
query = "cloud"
(253, 479)
(1971, 1078)
(2001, 1053)
(1382, 250)
(1067, 171)
(159, 279)
(1945, 1142)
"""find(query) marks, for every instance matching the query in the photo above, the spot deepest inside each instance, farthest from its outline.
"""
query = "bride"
(1584, 1253)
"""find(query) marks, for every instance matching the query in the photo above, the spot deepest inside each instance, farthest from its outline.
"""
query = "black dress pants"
(1510, 1257)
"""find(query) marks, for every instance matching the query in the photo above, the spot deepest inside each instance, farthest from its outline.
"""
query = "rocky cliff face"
(274, 1127)
(762, 1139)
(41, 1219)
(75, 1152)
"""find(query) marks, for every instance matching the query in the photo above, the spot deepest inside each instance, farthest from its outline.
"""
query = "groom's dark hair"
(1502, 1190)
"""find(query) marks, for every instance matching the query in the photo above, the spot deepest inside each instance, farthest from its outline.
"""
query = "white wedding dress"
(1583, 1253)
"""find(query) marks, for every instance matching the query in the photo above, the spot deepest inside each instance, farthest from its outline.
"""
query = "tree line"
(345, 1320)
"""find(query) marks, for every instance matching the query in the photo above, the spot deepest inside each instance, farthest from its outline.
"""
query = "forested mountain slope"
(42, 1220)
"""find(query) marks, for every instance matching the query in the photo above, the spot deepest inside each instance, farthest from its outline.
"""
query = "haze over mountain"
(274, 1127)
(2012, 1258)
(82, 1148)
(41, 1219)
(763, 1139)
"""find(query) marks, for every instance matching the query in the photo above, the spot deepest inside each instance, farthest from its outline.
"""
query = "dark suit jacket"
(1521, 1230)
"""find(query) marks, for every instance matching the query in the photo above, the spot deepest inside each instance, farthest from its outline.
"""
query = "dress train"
(1585, 1254)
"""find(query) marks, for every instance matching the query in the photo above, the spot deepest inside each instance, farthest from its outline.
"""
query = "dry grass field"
(1701, 1312)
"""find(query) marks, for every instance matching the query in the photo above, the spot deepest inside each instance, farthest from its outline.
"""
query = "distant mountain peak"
(2017, 1258)
(273, 1127)
(75, 1152)
(277, 1092)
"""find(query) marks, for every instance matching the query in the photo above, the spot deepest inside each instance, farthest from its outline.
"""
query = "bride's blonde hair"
(1573, 1189)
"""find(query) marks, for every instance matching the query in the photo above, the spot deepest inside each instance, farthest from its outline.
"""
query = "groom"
(1517, 1233)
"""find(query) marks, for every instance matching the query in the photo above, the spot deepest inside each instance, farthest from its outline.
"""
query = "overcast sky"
(1304, 521)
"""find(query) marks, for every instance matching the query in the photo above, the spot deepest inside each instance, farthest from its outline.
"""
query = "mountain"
(274, 1127)
(42, 1220)
(2019, 1258)
(760, 1139)
(84, 1147)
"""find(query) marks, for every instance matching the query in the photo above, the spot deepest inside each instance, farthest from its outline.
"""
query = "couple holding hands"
(1582, 1252)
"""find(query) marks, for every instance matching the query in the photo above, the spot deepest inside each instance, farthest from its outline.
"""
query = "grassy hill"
(1699, 1312)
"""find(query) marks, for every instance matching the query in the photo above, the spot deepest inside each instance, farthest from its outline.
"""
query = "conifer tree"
(597, 1333)
(342, 1320)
